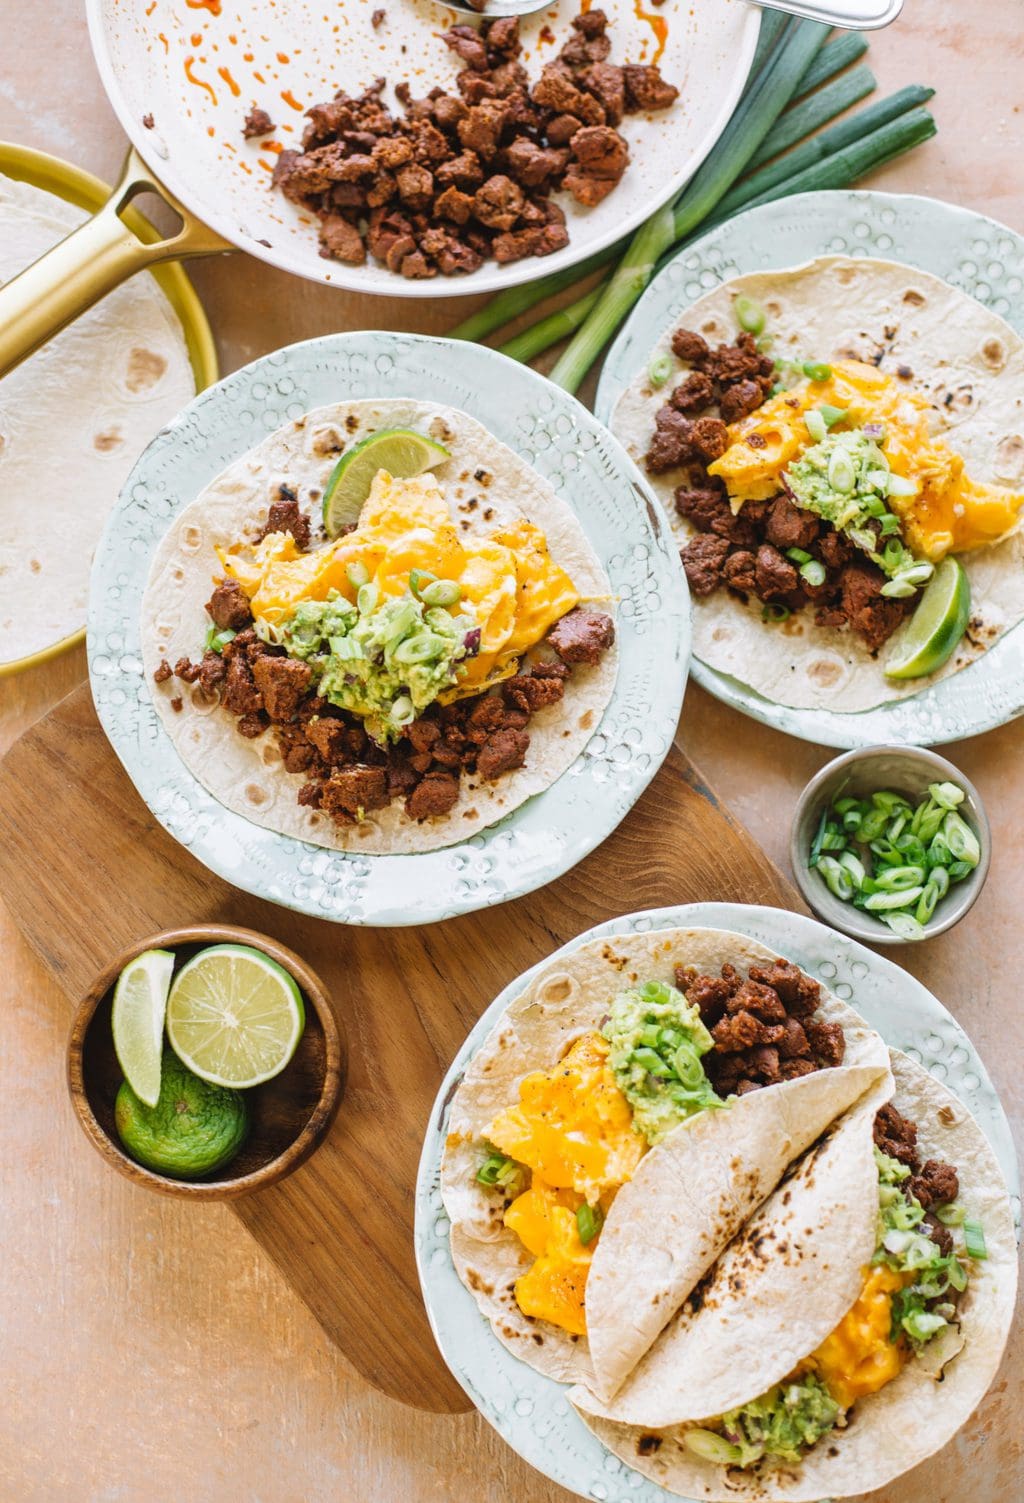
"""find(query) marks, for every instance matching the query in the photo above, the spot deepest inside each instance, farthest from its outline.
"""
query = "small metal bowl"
(903, 769)
(289, 1115)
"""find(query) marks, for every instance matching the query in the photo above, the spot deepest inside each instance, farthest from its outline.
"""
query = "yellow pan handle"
(92, 260)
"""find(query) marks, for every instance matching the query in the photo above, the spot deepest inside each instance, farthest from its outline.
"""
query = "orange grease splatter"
(289, 98)
(199, 82)
(225, 74)
(283, 57)
(213, 6)
(658, 24)
(258, 76)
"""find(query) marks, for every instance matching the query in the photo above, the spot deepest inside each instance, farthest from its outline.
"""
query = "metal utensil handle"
(90, 262)
(858, 15)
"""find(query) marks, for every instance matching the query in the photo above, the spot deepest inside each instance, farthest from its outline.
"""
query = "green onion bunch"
(894, 859)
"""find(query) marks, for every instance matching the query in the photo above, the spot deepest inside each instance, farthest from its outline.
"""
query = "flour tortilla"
(691, 1193)
(487, 486)
(74, 417)
(964, 358)
(743, 1342)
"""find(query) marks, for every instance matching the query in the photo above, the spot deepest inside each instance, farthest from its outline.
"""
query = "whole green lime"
(194, 1128)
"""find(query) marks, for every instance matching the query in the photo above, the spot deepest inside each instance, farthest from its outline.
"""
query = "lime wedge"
(234, 1016)
(936, 626)
(137, 1020)
(401, 451)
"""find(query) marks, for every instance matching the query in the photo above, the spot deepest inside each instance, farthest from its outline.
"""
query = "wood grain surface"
(150, 1351)
(340, 1229)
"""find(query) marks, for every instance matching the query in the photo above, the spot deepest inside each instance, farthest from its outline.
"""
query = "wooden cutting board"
(86, 869)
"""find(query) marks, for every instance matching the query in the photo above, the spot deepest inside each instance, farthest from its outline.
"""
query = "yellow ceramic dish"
(85, 191)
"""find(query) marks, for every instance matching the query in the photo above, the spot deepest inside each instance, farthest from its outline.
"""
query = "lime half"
(193, 1129)
(234, 1016)
(401, 451)
(137, 1020)
(936, 626)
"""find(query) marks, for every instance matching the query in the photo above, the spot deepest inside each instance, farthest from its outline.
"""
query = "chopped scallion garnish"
(974, 1239)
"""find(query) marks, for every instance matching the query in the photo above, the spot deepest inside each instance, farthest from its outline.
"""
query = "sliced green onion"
(852, 821)
(498, 1171)
(899, 485)
(765, 343)
(837, 879)
(357, 574)
(873, 505)
(842, 476)
(883, 902)
(939, 878)
(403, 711)
(819, 839)
(813, 572)
(951, 1214)
(844, 805)
(873, 823)
(961, 839)
(659, 370)
(939, 853)
(926, 906)
(816, 370)
(920, 1325)
(974, 1239)
(589, 1220)
(816, 425)
(798, 555)
(749, 314)
(833, 415)
(773, 611)
(947, 795)
(423, 647)
(217, 639)
(890, 524)
(900, 878)
(367, 597)
(957, 1275)
(419, 579)
(653, 1063)
(711, 1447)
(878, 481)
(903, 924)
(960, 869)
(444, 592)
(853, 867)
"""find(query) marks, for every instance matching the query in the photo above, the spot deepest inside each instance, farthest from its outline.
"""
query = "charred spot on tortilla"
(351, 423)
(993, 353)
(145, 369)
(647, 1444)
(147, 121)
(824, 672)
(905, 372)
(915, 298)
(110, 438)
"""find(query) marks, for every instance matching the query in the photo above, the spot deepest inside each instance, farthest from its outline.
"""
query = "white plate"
(532, 1412)
(176, 63)
(550, 430)
(975, 254)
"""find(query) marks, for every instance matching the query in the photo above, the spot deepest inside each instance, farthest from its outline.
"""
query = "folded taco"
(626, 1115)
(403, 672)
(849, 1330)
(846, 481)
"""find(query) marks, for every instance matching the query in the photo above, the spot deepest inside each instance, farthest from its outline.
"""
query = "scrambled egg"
(572, 1127)
(949, 512)
(509, 581)
(858, 1358)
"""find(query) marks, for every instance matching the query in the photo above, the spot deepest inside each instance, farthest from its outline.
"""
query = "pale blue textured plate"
(973, 253)
(532, 1412)
(542, 838)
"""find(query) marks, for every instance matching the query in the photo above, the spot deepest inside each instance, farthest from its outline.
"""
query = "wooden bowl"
(289, 1115)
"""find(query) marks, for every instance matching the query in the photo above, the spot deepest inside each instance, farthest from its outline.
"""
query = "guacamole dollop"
(784, 1423)
(845, 480)
(385, 660)
(657, 1039)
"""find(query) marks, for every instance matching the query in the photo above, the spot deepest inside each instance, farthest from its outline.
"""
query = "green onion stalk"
(760, 108)
(837, 170)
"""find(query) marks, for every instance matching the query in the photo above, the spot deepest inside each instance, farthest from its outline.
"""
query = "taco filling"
(389, 661)
(820, 487)
(908, 1299)
(664, 1054)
